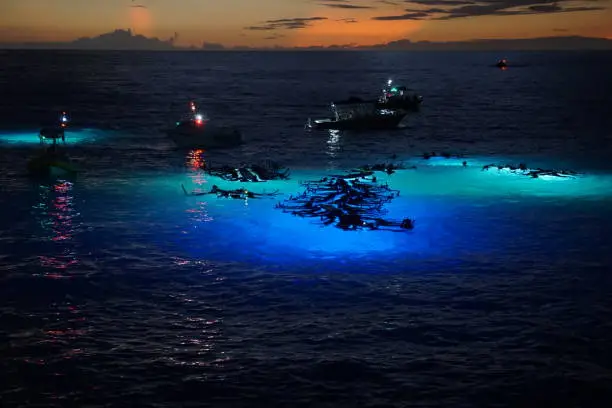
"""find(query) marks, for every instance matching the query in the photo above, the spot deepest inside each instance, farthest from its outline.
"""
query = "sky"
(302, 23)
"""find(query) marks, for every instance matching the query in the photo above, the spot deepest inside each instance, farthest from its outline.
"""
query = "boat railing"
(360, 108)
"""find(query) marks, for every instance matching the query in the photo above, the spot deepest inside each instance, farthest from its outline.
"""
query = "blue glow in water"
(30, 137)
(460, 212)
(463, 214)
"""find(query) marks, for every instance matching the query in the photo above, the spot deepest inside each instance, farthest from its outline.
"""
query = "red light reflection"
(57, 205)
(195, 159)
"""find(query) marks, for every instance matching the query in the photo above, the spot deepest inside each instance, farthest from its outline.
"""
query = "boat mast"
(198, 118)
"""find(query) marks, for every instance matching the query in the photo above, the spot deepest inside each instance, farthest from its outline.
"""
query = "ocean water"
(117, 289)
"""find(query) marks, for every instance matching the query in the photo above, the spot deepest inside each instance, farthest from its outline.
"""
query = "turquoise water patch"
(462, 214)
(459, 211)
(30, 137)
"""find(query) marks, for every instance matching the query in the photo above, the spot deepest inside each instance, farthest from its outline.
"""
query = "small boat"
(399, 97)
(502, 63)
(197, 132)
(356, 114)
(55, 133)
(52, 162)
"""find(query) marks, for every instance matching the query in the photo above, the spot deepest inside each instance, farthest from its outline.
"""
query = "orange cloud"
(140, 20)
(338, 29)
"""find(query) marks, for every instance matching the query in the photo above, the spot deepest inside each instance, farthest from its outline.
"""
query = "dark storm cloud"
(460, 9)
(286, 23)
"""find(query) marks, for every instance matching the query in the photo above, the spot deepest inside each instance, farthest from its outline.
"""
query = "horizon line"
(127, 40)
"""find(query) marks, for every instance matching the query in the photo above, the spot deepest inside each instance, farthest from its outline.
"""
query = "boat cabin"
(399, 93)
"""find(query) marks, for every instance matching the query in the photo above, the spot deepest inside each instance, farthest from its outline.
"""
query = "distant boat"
(502, 63)
(356, 114)
(55, 133)
(197, 132)
(52, 162)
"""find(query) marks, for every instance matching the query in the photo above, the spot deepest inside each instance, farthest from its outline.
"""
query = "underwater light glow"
(458, 211)
(31, 137)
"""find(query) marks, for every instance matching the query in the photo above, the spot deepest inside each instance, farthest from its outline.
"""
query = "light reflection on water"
(197, 210)
(56, 214)
(333, 148)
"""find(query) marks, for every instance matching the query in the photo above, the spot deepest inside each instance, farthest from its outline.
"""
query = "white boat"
(198, 132)
(357, 114)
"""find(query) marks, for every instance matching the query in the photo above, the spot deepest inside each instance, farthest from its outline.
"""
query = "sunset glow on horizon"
(302, 23)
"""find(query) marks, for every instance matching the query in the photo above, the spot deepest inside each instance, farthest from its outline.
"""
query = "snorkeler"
(240, 193)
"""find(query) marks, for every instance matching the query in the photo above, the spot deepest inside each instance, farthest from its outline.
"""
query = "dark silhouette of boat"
(51, 161)
(55, 133)
(399, 97)
(197, 132)
(357, 114)
(502, 63)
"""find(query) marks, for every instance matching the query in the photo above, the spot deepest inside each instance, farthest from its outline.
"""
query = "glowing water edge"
(461, 213)
(30, 137)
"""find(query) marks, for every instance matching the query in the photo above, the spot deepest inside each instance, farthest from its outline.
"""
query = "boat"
(399, 97)
(502, 63)
(197, 132)
(357, 114)
(57, 132)
(52, 162)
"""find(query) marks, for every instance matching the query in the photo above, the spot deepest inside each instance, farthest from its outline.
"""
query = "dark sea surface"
(117, 290)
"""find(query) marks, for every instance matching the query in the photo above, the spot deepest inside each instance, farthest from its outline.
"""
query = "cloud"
(464, 8)
(286, 23)
(343, 4)
(349, 20)
(441, 2)
(408, 16)
(212, 46)
(545, 8)
(511, 8)
(138, 6)
(274, 36)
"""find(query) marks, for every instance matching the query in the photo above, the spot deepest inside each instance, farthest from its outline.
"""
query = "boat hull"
(49, 166)
(379, 122)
